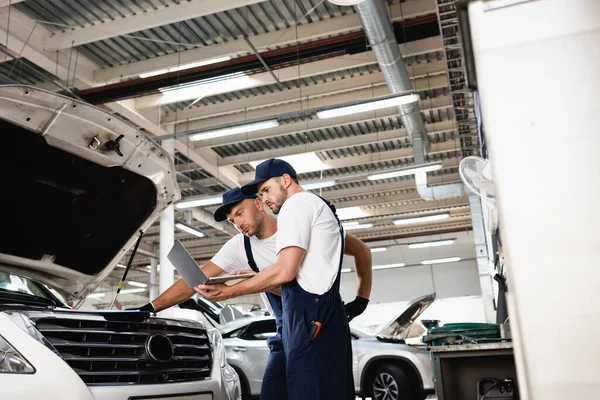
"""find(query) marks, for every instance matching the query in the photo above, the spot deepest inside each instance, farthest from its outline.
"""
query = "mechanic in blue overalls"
(310, 247)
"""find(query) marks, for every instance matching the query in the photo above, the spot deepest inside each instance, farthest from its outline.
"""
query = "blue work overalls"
(273, 385)
(317, 368)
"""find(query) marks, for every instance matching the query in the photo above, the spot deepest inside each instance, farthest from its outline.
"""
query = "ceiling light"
(199, 202)
(440, 261)
(388, 266)
(234, 130)
(404, 172)
(318, 185)
(431, 244)
(344, 270)
(302, 163)
(425, 218)
(138, 284)
(95, 295)
(378, 249)
(139, 290)
(189, 229)
(351, 227)
(185, 66)
(208, 87)
(369, 106)
(350, 213)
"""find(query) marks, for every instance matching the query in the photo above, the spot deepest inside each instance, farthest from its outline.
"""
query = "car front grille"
(115, 352)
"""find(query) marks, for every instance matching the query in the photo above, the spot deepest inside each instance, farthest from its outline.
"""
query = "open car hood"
(399, 327)
(74, 204)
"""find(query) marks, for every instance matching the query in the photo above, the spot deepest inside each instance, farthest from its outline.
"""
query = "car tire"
(390, 382)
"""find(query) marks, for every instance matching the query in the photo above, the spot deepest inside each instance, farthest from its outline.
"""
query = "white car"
(385, 367)
(79, 184)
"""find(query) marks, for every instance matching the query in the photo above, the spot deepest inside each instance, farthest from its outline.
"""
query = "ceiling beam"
(320, 67)
(204, 158)
(420, 85)
(423, 76)
(397, 184)
(269, 40)
(460, 219)
(435, 103)
(148, 19)
(404, 153)
(26, 39)
(386, 204)
(344, 142)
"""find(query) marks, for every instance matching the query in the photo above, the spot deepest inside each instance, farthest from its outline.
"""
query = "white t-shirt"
(232, 256)
(305, 221)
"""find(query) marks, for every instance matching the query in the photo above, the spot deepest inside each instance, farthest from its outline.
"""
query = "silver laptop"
(191, 273)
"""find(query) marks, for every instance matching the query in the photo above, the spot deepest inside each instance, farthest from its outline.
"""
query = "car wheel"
(391, 383)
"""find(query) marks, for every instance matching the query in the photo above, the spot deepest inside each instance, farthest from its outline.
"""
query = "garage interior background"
(186, 69)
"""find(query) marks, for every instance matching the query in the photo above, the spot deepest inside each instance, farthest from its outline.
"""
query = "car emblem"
(159, 348)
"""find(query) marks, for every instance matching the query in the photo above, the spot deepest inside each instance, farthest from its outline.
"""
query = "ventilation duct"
(378, 29)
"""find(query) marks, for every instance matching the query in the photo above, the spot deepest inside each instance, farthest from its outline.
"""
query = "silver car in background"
(385, 367)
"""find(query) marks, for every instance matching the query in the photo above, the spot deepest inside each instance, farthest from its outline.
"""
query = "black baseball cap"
(230, 199)
(271, 168)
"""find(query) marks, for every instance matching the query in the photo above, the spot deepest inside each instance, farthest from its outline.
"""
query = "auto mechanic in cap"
(310, 248)
(257, 228)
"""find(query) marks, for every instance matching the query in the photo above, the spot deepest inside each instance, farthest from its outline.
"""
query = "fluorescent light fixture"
(351, 213)
(139, 290)
(302, 163)
(378, 249)
(369, 106)
(208, 87)
(351, 227)
(199, 202)
(441, 261)
(185, 66)
(318, 185)
(344, 270)
(120, 266)
(234, 130)
(138, 284)
(425, 218)
(95, 295)
(189, 229)
(431, 244)
(388, 266)
(404, 172)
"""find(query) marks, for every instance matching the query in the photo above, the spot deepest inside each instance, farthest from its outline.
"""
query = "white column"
(167, 238)
(153, 278)
(540, 83)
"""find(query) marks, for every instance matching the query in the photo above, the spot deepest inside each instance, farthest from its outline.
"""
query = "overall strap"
(249, 255)
(333, 210)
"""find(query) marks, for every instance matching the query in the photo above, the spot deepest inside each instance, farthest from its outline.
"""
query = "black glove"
(145, 307)
(356, 307)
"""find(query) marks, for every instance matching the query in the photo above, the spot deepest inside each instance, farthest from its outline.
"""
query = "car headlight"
(218, 347)
(11, 362)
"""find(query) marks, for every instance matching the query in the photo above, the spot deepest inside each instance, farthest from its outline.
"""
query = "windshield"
(20, 284)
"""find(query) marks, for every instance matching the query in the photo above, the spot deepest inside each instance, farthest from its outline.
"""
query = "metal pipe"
(378, 28)
(380, 33)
